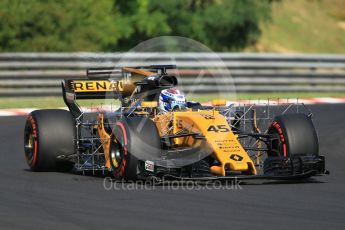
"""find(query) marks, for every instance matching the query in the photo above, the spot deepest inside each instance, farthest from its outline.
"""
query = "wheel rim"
(29, 144)
(116, 155)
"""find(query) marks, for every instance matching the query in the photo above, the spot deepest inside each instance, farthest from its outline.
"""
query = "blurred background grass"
(304, 26)
(292, 26)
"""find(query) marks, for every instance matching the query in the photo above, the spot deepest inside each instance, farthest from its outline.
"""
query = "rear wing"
(102, 83)
(106, 73)
(93, 89)
(77, 89)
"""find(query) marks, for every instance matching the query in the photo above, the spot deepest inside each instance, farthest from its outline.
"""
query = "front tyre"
(294, 146)
(293, 134)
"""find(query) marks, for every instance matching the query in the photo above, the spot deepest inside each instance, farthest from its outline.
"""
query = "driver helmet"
(171, 99)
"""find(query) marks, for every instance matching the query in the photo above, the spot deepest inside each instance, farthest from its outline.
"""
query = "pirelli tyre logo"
(97, 86)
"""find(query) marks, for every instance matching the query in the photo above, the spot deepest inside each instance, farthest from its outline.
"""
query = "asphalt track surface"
(30, 200)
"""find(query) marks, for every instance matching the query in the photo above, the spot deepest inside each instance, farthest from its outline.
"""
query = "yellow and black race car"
(138, 141)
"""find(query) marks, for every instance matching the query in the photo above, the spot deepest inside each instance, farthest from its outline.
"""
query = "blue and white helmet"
(171, 99)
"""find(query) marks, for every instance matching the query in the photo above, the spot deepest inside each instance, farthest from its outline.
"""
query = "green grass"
(309, 26)
(56, 102)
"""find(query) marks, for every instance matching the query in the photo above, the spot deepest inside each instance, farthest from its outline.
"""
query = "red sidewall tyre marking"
(124, 159)
(281, 137)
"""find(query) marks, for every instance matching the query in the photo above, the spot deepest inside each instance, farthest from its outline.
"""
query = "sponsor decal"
(97, 86)
(152, 78)
(236, 157)
(149, 166)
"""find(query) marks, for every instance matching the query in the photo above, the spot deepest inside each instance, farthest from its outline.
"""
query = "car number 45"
(218, 128)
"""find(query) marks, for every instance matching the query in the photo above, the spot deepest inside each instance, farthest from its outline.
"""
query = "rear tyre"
(48, 134)
(293, 139)
(134, 139)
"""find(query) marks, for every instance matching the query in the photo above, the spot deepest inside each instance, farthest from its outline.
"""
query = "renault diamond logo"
(236, 157)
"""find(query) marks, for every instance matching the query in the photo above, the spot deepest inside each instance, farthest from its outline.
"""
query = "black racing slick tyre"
(134, 139)
(293, 145)
(49, 134)
(293, 134)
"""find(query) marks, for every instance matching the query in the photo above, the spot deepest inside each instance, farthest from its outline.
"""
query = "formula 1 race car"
(137, 141)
